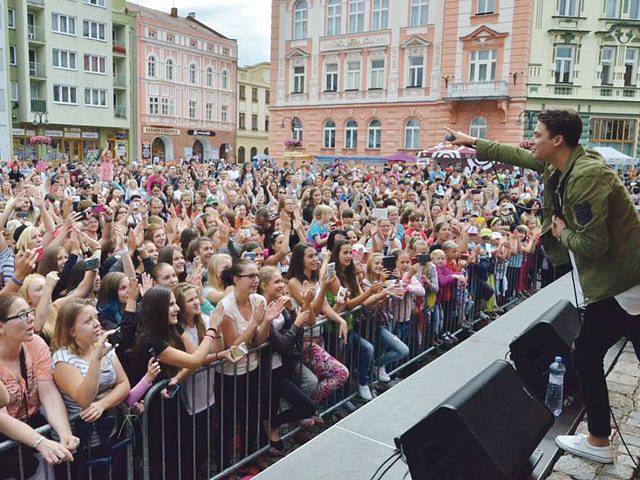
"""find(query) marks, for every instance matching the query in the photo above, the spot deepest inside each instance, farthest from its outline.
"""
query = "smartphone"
(389, 263)
(92, 263)
(423, 258)
(116, 332)
(22, 214)
(331, 270)
(100, 208)
(251, 256)
(172, 390)
(379, 213)
(476, 191)
(152, 353)
(239, 351)
(273, 216)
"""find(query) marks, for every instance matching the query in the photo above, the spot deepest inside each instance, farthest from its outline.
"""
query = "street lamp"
(529, 118)
(40, 119)
(291, 120)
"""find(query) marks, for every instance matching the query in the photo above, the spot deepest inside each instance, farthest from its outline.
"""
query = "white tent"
(615, 158)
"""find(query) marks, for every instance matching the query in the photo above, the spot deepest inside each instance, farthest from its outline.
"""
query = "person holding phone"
(90, 378)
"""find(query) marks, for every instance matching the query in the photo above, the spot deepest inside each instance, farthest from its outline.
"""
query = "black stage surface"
(355, 447)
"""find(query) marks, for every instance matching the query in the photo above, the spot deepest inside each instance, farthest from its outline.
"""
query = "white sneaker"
(365, 393)
(383, 376)
(577, 445)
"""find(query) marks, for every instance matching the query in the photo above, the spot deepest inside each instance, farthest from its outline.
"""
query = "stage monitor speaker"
(535, 349)
(487, 430)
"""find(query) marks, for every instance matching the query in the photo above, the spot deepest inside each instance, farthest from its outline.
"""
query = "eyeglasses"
(23, 316)
(252, 276)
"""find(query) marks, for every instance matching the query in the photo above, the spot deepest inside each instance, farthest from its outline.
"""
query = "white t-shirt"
(276, 359)
(195, 394)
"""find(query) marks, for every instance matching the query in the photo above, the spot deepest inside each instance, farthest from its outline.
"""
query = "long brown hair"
(180, 292)
(65, 321)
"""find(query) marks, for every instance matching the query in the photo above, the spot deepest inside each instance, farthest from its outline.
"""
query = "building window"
(169, 70)
(94, 30)
(151, 66)
(11, 21)
(14, 91)
(377, 74)
(483, 66)
(329, 134)
(241, 154)
(241, 121)
(300, 13)
(630, 66)
(209, 77)
(634, 10)
(13, 56)
(298, 80)
(380, 14)
(266, 124)
(63, 24)
(334, 17)
(152, 34)
(208, 111)
(353, 75)
(356, 16)
(331, 77)
(567, 8)
(95, 64)
(225, 80)
(478, 127)
(254, 94)
(564, 63)
(619, 133)
(95, 3)
(419, 9)
(153, 105)
(351, 135)
(193, 74)
(267, 97)
(375, 134)
(65, 94)
(486, 7)
(254, 122)
(607, 60)
(611, 8)
(241, 92)
(416, 71)
(412, 135)
(224, 113)
(95, 97)
(170, 38)
(192, 109)
(296, 129)
(164, 106)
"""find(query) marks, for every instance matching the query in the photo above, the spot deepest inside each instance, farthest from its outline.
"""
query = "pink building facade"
(364, 79)
(186, 87)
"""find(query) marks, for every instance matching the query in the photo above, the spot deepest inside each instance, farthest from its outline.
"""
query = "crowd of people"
(114, 277)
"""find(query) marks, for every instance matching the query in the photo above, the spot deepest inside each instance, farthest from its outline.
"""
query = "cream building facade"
(254, 97)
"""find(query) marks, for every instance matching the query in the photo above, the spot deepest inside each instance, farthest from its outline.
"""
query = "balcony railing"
(120, 111)
(119, 47)
(36, 69)
(38, 105)
(39, 3)
(475, 90)
(35, 33)
(120, 80)
(617, 93)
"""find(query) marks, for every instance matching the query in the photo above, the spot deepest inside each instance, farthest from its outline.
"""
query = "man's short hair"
(563, 122)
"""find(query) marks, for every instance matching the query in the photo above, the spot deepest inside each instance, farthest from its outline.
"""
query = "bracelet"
(38, 441)
(16, 281)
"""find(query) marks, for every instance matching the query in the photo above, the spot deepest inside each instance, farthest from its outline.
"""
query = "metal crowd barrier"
(173, 441)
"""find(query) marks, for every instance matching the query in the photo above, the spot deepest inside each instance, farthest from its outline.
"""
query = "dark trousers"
(301, 405)
(605, 322)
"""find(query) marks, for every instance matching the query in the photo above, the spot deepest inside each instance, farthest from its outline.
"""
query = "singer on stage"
(589, 220)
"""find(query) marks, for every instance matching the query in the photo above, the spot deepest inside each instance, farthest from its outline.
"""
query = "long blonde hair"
(26, 283)
(25, 237)
(370, 275)
(212, 270)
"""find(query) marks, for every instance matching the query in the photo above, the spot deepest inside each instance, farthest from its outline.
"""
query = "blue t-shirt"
(317, 229)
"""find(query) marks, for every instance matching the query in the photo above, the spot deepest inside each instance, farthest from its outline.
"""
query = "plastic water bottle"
(553, 399)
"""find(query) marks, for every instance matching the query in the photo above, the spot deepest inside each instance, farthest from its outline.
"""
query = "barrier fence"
(218, 420)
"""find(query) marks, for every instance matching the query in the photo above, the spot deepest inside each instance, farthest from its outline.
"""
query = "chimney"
(191, 15)
(174, 12)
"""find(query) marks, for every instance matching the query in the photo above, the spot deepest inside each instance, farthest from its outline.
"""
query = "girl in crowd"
(285, 335)
(330, 372)
(214, 291)
(90, 378)
(174, 257)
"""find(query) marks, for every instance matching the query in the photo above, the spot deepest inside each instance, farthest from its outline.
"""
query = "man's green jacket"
(603, 226)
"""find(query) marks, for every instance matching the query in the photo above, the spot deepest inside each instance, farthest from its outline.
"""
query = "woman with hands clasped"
(25, 375)
(90, 378)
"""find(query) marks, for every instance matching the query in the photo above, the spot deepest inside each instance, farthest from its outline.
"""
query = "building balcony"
(35, 34)
(120, 111)
(616, 93)
(462, 91)
(567, 24)
(36, 70)
(120, 81)
(563, 90)
(38, 105)
(37, 3)
(119, 47)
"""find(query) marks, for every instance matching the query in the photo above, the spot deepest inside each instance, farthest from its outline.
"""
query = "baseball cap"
(473, 230)
(496, 236)
(485, 232)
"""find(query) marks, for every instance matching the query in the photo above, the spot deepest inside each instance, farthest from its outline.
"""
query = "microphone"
(449, 137)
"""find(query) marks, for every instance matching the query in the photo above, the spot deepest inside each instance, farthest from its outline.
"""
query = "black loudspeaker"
(487, 430)
(535, 349)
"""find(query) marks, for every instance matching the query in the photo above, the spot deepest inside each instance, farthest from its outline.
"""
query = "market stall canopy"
(615, 158)
(402, 157)
(261, 157)
(447, 154)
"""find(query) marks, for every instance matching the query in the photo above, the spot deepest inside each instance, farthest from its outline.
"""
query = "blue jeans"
(404, 331)
(395, 349)
(365, 356)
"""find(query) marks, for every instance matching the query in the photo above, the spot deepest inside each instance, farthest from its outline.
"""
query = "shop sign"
(215, 153)
(18, 132)
(72, 135)
(91, 135)
(146, 150)
(161, 131)
(31, 133)
(201, 133)
(121, 147)
(121, 135)
(53, 133)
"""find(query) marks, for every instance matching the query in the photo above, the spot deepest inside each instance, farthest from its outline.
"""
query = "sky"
(247, 21)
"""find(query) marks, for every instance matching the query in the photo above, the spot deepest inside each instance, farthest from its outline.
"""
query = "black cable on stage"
(389, 467)
(395, 453)
(622, 438)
